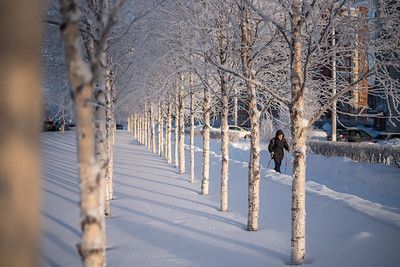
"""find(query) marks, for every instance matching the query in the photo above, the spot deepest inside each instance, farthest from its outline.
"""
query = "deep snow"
(159, 219)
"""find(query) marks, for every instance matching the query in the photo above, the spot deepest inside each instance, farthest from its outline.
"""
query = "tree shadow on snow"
(163, 238)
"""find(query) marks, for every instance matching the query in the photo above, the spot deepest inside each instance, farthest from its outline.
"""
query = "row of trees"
(290, 62)
(281, 61)
(92, 54)
(92, 66)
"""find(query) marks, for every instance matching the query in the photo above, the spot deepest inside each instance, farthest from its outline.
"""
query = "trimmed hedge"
(362, 152)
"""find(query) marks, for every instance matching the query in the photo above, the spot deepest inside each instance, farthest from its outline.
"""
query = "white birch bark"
(334, 103)
(20, 116)
(168, 134)
(100, 110)
(129, 124)
(109, 124)
(224, 119)
(133, 125)
(159, 130)
(254, 162)
(146, 127)
(153, 129)
(135, 121)
(138, 121)
(149, 128)
(101, 148)
(191, 131)
(141, 129)
(206, 141)
(114, 128)
(235, 108)
(224, 151)
(92, 213)
(182, 166)
(299, 134)
(176, 144)
(138, 133)
(112, 122)
(162, 140)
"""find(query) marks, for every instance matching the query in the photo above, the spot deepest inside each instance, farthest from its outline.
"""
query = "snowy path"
(159, 219)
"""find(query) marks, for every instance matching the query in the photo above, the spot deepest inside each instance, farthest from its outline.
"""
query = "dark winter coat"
(276, 147)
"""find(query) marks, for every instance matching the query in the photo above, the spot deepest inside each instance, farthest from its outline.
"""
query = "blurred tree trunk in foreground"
(20, 28)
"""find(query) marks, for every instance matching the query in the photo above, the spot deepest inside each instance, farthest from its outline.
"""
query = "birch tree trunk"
(162, 139)
(182, 168)
(153, 129)
(113, 122)
(20, 116)
(109, 123)
(141, 129)
(168, 134)
(101, 151)
(191, 130)
(224, 151)
(112, 139)
(176, 144)
(146, 128)
(149, 128)
(206, 141)
(101, 146)
(133, 125)
(138, 135)
(91, 247)
(101, 120)
(235, 108)
(132, 117)
(224, 119)
(254, 165)
(138, 128)
(129, 124)
(334, 103)
(299, 134)
(159, 129)
(135, 122)
(254, 162)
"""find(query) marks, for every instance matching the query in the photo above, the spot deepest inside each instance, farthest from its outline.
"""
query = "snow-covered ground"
(159, 218)
(375, 182)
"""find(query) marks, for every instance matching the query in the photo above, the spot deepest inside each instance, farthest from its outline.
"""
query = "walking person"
(275, 147)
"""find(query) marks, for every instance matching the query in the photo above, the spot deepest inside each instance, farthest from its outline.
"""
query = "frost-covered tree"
(88, 83)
